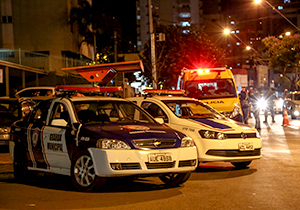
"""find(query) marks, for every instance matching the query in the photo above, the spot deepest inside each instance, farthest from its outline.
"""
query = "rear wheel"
(83, 174)
(241, 165)
(175, 179)
(20, 163)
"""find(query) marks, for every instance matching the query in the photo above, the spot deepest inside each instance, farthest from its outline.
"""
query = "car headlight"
(111, 144)
(4, 129)
(187, 142)
(236, 111)
(212, 135)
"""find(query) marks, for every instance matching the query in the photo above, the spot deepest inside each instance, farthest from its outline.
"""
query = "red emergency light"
(164, 91)
(89, 89)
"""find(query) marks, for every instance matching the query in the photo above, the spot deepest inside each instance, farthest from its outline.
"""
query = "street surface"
(272, 182)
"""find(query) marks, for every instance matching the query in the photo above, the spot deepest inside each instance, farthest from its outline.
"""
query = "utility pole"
(152, 40)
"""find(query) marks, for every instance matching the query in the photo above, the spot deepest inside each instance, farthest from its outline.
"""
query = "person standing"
(270, 96)
(244, 104)
(254, 98)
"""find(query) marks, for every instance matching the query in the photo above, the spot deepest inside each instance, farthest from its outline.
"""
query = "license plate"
(160, 158)
(246, 146)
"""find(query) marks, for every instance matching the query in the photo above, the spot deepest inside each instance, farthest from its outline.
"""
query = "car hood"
(130, 131)
(224, 125)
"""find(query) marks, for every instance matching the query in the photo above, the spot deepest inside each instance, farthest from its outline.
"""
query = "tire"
(241, 165)
(175, 179)
(20, 163)
(83, 174)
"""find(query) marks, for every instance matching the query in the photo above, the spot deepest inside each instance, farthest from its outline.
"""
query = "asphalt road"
(273, 182)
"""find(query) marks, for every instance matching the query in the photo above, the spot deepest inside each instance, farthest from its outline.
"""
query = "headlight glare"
(112, 144)
(187, 142)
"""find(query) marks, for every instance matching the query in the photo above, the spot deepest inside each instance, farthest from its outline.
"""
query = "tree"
(284, 54)
(96, 28)
(190, 49)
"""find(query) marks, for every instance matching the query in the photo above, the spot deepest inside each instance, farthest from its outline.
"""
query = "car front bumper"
(136, 162)
(211, 150)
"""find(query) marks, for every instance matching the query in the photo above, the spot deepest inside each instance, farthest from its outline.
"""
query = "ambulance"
(214, 86)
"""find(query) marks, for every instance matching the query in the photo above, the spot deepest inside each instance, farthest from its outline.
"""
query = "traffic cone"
(285, 118)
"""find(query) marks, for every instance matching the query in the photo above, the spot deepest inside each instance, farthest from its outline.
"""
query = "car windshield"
(9, 112)
(192, 109)
(212, 88)
(110, 112)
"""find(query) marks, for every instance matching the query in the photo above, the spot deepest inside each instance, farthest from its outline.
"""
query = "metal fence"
(38, 60)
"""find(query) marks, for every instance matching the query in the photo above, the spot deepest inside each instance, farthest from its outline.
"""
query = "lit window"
(229, 45)
(250, 42)
(287, 1)
(183, 24)
(232, 22)
(186, 31)
(139, 43)
(138, 17)
(238, 64)
(238, 43)
(237, 31)
(185, 15)
(280, 7)
(233, 32)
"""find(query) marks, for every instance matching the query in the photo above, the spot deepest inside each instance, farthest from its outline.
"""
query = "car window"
(59, 111)
(154, 110)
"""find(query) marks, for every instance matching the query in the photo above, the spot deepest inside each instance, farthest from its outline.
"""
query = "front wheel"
(83, 174)
(20, 163)
(241, 165)
(175, 179)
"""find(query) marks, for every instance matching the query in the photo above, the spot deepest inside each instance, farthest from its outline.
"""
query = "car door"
(54, 138)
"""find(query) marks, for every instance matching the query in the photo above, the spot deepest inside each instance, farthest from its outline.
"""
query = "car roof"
(96, 98)
(37, 88)
(162, 98)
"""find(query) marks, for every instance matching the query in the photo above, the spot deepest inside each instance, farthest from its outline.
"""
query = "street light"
(268, 3)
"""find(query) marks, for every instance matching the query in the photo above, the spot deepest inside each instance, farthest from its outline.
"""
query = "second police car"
(217, 138)
(93, 138)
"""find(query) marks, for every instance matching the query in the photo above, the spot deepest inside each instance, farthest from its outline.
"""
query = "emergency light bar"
(104, 73)
(204, 70)
(164, 91)
(88, 89)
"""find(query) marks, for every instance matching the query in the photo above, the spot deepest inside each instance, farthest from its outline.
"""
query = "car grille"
(127, 166)
(154, 143)
(239, 135)
(186, 163)
(233, 153)
(160, 165)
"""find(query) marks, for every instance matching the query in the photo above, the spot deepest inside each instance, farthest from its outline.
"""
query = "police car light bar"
(203, 70)
(88, 89)
(164, 91)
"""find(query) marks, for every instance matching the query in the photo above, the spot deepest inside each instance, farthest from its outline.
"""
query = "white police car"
(216, 137)
(93, 138)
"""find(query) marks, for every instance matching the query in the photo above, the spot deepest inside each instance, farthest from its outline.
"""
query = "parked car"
(217, 138)
(36, 91)
(10, 112)
(94, 138)
(292, 104)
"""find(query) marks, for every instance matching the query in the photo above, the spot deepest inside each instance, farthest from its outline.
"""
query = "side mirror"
(59, 122)
(159, 120)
